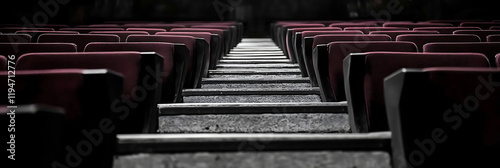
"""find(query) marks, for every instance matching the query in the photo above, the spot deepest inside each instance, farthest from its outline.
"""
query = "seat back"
(483, 34)
(19, 49)
(421, 39)
(14, 29)
(151, 31)
(489, 49)
(36, 33)
(15, 38)
(195, 60)
(349, 24)
(165, 26)
(81, 40)
(74, 92)
(137, 106)
(174, 64)
(364, 74)
(327, 60)
(493, 38)
(445, 30)
(122, 34)
(85, 30)
(328, 38)
(482, 25)
(395, 33)
(367, 30)
(411, 26)
(461, 107)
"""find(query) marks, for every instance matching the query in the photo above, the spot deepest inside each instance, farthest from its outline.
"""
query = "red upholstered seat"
(489, 49)
(174, 65)
(81, 40)
(15, 38)
(483, 34)
(85, 30)
(122, 34)
(444, 108)
(421, 39)
(140, 113)
(365, 75)
(151, 31)
(395, 33)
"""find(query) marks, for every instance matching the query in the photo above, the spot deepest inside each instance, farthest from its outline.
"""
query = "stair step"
(254, 57)
(256, 52)
(262, 85)
(250, 91)
(172, 143)
(314, 117)
(264, 54)
(256, 80)
(272, 49)
(257, 66)
(251, 108)
(255, 72)
(255, 61)
(252, 99)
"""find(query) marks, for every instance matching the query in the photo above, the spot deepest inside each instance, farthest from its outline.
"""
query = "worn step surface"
(254, 118)
(253, 57)
(257, 85)
(255, 72)
(251, 91)
(255, 61)
(253, 150)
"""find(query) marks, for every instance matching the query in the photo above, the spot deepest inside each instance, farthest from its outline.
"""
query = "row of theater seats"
(95, 84)
(424, 81)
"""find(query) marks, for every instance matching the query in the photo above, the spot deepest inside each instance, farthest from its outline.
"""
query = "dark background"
(255, 14)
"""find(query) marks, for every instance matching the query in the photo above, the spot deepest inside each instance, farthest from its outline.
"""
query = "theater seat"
(343, 25)
(151, 31)
(327, 63)
(498, 60)
(421, 39)
(19, 49)
(85, 96)
(165, 26)
(122, 34)
(489, 49)
(81, 40)
(14, 29)
(175, 57)
(327, 38)
(137, 106)
(445, 30)
(209, 56)
(394, 34)
(36, 33)
(195, 46)
(215, 32)
(367, 30)
(233, 31)
(15, 38)
(307, 38)
(482, 25)
(444, 117)
(481, 33)
(364, 74)
(411, 26)
(294, 43)
(86, 30)
(493, 38)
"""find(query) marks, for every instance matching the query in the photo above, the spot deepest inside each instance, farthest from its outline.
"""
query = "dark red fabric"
(411, 26)
(164, 49)
(15, 38)
(493, 38)
(122, 34)
(19, 49)
(89, 29)
(327, 38)
(337, 51)
(446, 30)
(421, 39)
(394, 34)
(481, 33)
(151, 31)
(81, 40)
(349, 24)
(126, 63)
(367, 30)
(379, 65)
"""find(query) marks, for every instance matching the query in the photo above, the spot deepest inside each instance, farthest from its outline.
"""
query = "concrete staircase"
(254, 110)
